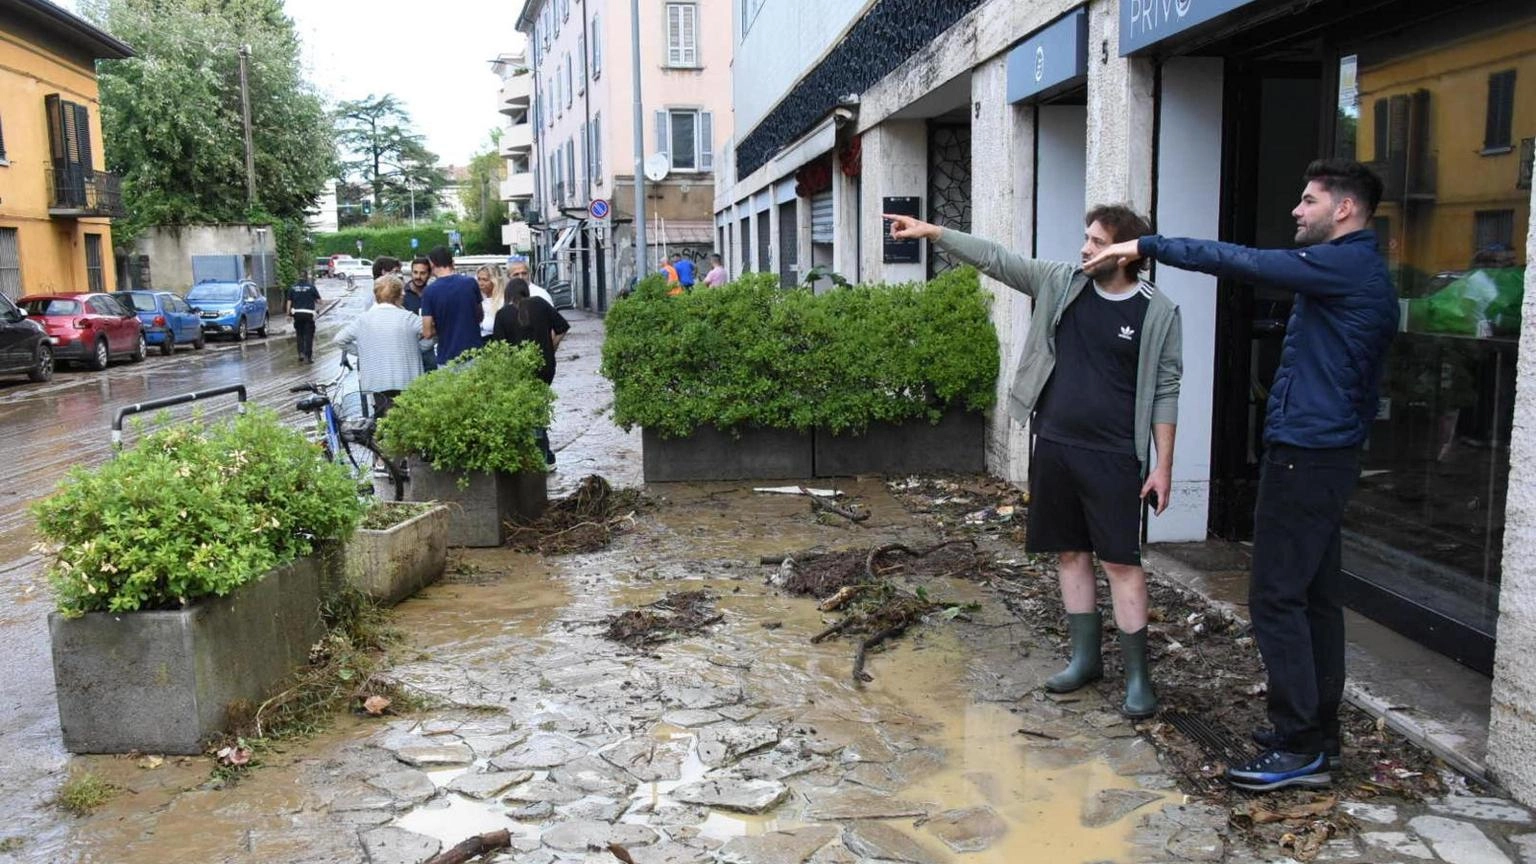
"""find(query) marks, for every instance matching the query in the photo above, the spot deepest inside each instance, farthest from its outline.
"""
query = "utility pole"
(634, 40)
(250, 150)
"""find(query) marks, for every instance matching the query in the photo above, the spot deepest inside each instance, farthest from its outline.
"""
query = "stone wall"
(1512, 729)
(170, 250)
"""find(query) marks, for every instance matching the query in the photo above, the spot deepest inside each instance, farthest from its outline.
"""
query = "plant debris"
(967, 504)
(383, 515)
(584, 521)
(680, 613)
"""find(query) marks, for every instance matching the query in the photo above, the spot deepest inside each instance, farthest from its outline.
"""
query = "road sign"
(453, 238)
(415, 242)
(599, 208)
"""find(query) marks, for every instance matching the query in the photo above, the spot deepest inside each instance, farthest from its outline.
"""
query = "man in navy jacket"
(1321, 407)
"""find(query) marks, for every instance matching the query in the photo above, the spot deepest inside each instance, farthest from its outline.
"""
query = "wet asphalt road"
(47, 428)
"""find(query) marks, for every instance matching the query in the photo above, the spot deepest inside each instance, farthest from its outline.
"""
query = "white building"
(1009, 119)
(515, 100)
(583, 141)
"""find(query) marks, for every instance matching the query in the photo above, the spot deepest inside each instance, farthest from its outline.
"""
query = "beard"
(1315, 233)
(1104, 272)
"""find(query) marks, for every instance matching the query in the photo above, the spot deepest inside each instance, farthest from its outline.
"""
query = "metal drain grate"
(1217, 742)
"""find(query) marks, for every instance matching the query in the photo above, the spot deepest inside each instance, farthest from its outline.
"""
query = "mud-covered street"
(740, 740)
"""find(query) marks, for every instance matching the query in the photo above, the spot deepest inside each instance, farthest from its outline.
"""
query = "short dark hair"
(383, 264)
(440, 257)
(420, 259)
(1347, 178)
(1123, 224)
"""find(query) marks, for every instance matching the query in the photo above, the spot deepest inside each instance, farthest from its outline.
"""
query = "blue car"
(168, 320)
(230, 308)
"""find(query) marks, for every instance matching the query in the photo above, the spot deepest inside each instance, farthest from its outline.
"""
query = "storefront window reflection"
(1438, 121)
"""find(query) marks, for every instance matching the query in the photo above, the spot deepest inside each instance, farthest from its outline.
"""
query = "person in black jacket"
(1321, 407)
(525, 318)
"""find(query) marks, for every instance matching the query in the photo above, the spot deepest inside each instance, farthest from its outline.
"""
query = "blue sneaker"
(1277, 769)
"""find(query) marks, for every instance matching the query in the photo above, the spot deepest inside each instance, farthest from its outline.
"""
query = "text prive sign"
(1051, 57)
(1146, 22)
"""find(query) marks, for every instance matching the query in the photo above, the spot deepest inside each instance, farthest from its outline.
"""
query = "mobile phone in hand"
(1152, 500)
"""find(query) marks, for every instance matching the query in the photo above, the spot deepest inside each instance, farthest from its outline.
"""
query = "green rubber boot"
(1140, 699)
(1087, 664)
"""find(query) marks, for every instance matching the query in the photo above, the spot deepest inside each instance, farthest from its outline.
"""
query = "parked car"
(322, 268)
(88, 328)
(167, 319)
(357, 268)
(24, 344)
(231, 309)
(560, 290)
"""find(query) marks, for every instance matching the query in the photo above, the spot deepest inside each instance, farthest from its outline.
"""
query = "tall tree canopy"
(381, 153)
(171, 116)
(482, 188)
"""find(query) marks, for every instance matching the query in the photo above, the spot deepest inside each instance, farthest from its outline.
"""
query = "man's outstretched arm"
(1311, 270)
(1010, 268)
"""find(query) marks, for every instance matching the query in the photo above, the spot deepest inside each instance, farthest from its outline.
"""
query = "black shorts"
(1083, 500)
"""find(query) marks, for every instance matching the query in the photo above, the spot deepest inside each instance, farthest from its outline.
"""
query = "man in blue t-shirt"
(450, 308)
(684, 268)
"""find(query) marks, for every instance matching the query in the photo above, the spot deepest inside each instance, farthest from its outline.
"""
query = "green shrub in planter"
(478, 413)
(191, 511)
(751, 354)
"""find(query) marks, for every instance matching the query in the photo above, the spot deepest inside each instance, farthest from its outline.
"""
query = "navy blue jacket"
(1346, 312)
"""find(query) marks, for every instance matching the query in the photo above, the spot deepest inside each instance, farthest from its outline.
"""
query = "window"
(597, 50)
(1493, 230)
(581, 71)
(565, 69)
(586, 151)
(10, 263)
(565, 8)
(554, 101)
(596, 143)
(544, 27)
(554, 19)
(749, 10)
(687, 137)
(94, 278)
(1501, 111)
(682, 34)
(570, 168)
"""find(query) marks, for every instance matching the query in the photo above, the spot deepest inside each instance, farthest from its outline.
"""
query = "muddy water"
(514, 640)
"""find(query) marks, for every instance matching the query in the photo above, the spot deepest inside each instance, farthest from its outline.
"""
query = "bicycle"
(349, 441)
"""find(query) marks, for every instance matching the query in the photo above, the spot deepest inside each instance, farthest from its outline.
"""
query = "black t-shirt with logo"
(1090, 399)
(302, 299)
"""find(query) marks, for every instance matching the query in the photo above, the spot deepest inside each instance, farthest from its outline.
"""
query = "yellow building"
(1448, 130)
(56, 201)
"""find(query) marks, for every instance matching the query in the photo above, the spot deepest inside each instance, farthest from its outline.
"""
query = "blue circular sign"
(598, 208)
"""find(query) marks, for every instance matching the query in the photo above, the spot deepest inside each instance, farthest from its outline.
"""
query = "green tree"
(383, 155)
(483, 206)
(171, 116)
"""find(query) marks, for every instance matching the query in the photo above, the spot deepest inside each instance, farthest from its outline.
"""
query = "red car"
(88, 328)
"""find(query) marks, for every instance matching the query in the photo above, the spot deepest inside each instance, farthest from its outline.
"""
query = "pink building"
(582, 124)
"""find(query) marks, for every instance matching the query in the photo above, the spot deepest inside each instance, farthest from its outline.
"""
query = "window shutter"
(690, 42)
(581, 71)
(663, 134)
(597, 146)
(706, 141)
(597, 49)
(586, 152)
(674, 34)
(1501, 104)
(83, 138)
(2, 141)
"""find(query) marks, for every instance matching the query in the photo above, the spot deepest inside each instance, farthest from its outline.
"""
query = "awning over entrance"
(690, 233)
(564, 240)
(1144, 23)
(1053, 58)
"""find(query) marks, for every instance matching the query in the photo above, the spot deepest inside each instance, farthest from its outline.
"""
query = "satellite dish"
(656, 167)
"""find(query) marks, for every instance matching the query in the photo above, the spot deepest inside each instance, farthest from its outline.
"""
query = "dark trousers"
(304, 330)
(1294, 593)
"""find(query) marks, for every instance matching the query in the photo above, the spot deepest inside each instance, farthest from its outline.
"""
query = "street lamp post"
(634, 39)
(261, 259)
(250, 149)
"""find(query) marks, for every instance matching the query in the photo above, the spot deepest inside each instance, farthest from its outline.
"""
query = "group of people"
(414, 327)
(1098, 382)
(681, 273)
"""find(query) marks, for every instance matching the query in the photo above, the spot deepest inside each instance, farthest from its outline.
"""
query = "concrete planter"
(162, 682)
(478, 512)
(956, 443)
(391, 564)
(709, 454)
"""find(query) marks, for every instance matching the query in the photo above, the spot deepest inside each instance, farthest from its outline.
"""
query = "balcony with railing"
(517, 139)
(73, 193)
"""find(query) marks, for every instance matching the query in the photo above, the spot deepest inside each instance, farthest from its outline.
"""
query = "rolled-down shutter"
(821, 217)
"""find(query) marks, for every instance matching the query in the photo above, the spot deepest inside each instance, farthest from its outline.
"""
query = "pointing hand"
(910, 228)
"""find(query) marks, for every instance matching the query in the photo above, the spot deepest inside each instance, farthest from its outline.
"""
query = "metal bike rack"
(167, 402)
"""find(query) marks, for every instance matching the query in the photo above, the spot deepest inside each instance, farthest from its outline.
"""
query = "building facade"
(56, 202)
(1009, 120)
(515, 102)
(584, 133)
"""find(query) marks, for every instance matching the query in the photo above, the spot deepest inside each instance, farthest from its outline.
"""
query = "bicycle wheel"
(369, 464)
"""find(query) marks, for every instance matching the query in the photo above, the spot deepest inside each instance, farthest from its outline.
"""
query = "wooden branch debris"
(473, 847)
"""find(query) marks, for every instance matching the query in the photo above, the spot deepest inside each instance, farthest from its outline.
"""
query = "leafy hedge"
(478, 413)
(191, 511)
(751, 354)
(396, 241)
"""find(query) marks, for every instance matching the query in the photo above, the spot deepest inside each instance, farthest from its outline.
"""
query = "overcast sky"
(434, 56)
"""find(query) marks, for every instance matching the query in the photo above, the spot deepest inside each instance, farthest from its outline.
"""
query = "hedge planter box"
(709, 454)
(162, 682)
(478, 512)
(956, 443)
(393, 563)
